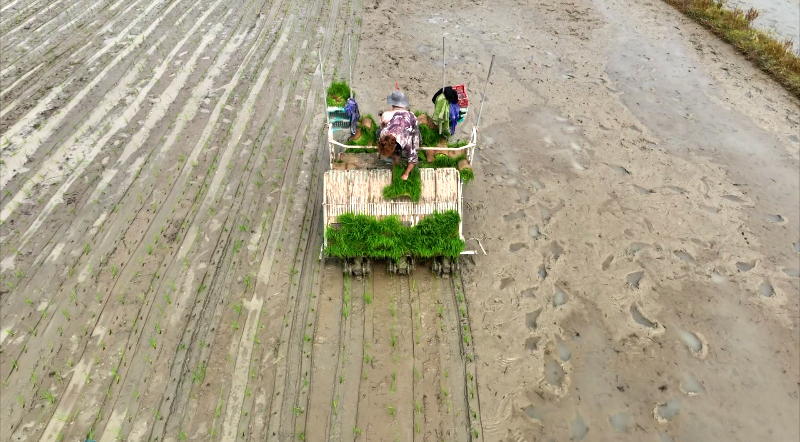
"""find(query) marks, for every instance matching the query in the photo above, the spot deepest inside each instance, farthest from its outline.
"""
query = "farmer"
(399, 134)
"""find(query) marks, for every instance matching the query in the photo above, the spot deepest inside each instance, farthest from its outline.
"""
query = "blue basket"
(338, 118)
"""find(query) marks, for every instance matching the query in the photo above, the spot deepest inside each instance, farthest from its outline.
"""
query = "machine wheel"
(443, 267)
(358, 267)
(403, 266)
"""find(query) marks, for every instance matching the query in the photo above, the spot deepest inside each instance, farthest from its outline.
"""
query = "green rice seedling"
(48, 396)
(367, 298)
(86, 248)
(429, 137)
(391, 410)
(367, 137)
(153, 342)
(457, 144)
(388, 238)
(65, 313)
(338, 93)
(357, 431)
(199, 373)
(297, 411)
(409, 188)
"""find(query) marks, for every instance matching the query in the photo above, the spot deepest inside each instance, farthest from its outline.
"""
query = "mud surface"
(636, 191)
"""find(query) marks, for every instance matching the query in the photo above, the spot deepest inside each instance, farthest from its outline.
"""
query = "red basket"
(463, 101)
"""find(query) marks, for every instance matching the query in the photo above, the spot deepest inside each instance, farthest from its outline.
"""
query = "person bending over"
(400, 136)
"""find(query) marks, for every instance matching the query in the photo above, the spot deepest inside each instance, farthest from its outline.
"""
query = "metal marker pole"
(444, 63)
(350, 60)
(324, 100)
(483, 98)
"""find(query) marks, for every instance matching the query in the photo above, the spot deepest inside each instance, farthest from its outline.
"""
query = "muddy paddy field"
(637, 194)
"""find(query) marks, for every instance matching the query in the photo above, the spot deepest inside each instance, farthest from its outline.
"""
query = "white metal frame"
(468, 149)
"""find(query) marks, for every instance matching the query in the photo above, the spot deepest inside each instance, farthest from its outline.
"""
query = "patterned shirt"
(403, 125)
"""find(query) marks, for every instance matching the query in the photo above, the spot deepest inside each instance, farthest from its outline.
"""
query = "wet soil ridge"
(392, 360)
(164, 212)
(780, 59)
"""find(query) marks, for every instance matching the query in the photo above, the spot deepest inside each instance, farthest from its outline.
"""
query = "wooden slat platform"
(361, 192)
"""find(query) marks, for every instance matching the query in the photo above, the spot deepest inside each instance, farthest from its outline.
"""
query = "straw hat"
(397, 98)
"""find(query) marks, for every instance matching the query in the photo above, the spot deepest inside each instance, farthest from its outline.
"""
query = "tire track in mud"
(350, 353)
(44, 22)
(198, 51)
(237, 365)
(61, 60)
(183, 80)
(43, 44)
(26, 146)
(83, 196)
(220, 247)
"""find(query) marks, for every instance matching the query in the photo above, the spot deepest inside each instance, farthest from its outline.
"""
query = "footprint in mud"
(556, 250)
(717, 278)
(577, 428)
(619, 169)
(537, 185)
(533, 232)
(619, 422)
(532, 343)
(641, 190)
(641, 319)
(635, 278)
(676, 189)
(517, 246)
(519, 214)
(542, 272)
(792, 273)
(560, 297)
(695, 343)
(524, 195)
(527, 293)
(544, 212)
(667, 411)
(766, 290)
(637, 246)
(691, 386)
(534, 413)
(563, 352)
(607, 262)
(745, 266)
(664, 437)
(505, 282)
(709, 209)
(685, 257)
(554, 373)
(531, 318)
(796, 247)
(733, 198)
(774, 218)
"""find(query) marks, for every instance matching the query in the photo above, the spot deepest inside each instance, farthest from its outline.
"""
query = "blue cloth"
(351, 109)
(454, 111)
